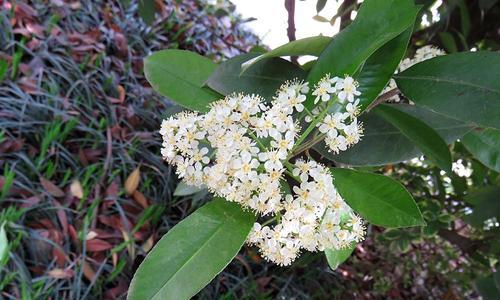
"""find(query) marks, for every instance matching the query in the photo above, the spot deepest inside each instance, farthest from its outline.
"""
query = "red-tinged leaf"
(82, 157)
(63, 219)
(31, 201)
(112, 191)
(60, 256)
(116, 292)
(61, 273)
(51, 188)
(88, 271)
(11, 145)
(97, 245)
(73, 234)
(24, 11)
(111, 221)
(28, 85)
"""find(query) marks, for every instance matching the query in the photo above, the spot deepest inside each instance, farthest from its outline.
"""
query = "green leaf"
(377, 22)
(180, 75)
(424, 137)
(485, 5)
(378, 199)
(307, 46)
(487, 206)
(263, 78)
(485, 146)
(192, 253)
(4, 65)
(464, 86)
(487, 288)
(147, 10)
(4, 243)
(380, 66)
(320, 4)
(183, 189)
(337, 257)
(383, 144)
(480, 195)
(448, 42)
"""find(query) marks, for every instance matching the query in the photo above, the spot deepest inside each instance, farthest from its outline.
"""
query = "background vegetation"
(84, 193)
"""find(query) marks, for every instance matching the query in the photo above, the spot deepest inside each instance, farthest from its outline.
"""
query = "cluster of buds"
(241, 150)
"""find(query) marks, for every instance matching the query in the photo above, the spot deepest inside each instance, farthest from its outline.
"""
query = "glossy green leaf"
(464, 86)
(184, 189)
(484, 146)
(180, 76)
(380, 66)
(480, 195)
(487, 288)
(306, 46)
(377, 22)
(421, 134)
(383, 143)
(377, 198)
(486, 206)
(337, 257)
(192, 253)
(263, 78)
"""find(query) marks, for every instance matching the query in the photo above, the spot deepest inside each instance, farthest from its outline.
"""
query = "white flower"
(352, 109)
(323, 90)
(336, 143)
(331, 123)
(347, 88)
(272, 159)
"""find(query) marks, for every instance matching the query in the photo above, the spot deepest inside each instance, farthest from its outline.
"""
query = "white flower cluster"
(317, 218)
(423, 53)
(240, 149)
(341, 128)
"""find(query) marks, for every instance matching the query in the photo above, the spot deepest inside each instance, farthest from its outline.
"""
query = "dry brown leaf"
(121, 93)
(91, 235)
(139, 198)
(132, 181)
(51, 188)
(76, 189)
(148, 244)
(60, 273)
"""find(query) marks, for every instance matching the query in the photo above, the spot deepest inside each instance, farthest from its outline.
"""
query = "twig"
(290, 8)
(382, 98)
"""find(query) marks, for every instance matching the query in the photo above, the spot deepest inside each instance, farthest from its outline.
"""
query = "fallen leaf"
(88, 271)
(91, 235)
(139, 198)
(97, 245)
(148, 244)
(60, 273)
(132, 181)
(76, 189)
(51, 188)
(121, 93)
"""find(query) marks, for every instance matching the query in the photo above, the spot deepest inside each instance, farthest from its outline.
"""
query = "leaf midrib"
(218, 228)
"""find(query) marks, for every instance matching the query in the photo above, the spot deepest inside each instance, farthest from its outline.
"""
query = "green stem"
(313, 124)
(259, 143)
